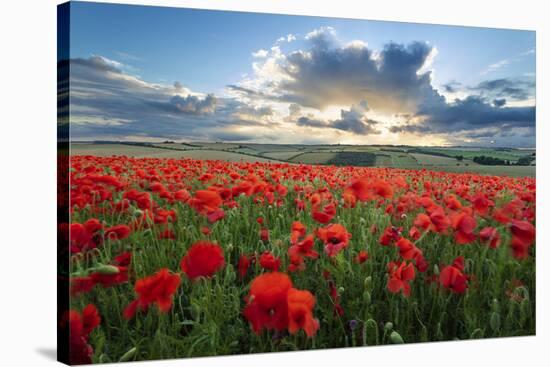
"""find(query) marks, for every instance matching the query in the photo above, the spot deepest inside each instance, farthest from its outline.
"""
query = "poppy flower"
(300, 250)
(452, 276)
(158, 288)
(523, 235)
(205, 201)
(464, 226)
(361, 257)
(118, 232)
(325, 214)
(269, 262)
(390, 235)
(407, 249)
(490, 235)
(300, 312)
(335, 237)
(267, 305)
(244, 264)
(80, 327)
(399, 277)
(203, 259)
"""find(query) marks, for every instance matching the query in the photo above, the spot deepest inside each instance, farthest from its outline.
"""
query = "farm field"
(385, 156)
(176, 258)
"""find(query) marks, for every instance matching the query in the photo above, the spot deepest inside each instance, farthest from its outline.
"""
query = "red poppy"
(490, 235)
(407, 249)
(300, 312)
(390, 235)
(244, 264)
(399, 277)
(464, 226)
(453, 278)
(203, 259)
(300, 250)
(361, 257)
(205, 201)
(269, 262)
(267, 306)
(158, 288)
(325, 215)
(523, 236)
(335, 237)
(80, 327)
(118, 232)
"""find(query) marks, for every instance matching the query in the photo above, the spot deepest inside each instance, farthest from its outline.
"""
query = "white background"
(28, 182)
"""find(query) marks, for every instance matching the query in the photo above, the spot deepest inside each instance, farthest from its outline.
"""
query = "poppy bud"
(341, 290)
(129, 355)
(388, 326)
(230, 275)
(396, 338)
(366, 298)
(368, 283)
(230, 247)
(106, 269)
(436, 269)
(494, 321)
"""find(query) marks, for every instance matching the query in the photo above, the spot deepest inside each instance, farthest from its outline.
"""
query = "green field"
(436, 159)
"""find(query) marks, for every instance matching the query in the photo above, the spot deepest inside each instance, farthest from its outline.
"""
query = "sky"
(143, 73)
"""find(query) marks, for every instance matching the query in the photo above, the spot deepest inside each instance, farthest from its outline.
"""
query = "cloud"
(494, 67)
(329, 74)
(260, 54)
(353, 120)
(474, 112)
(106, 101)
(518, 89)
(194, 105)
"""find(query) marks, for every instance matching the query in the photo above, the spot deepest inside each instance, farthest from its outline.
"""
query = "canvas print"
(235, 183)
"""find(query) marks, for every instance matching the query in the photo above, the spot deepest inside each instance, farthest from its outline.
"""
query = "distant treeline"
(492, 161)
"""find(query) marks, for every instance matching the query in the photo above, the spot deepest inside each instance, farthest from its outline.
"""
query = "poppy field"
(174, 258)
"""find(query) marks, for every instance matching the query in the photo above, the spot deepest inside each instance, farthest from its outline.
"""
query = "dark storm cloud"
(518, 89)
(499, 102)
(353, 120)
(474, 112)
(451, 87)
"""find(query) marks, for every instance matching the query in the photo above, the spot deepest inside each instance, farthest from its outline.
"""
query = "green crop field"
(352, 155)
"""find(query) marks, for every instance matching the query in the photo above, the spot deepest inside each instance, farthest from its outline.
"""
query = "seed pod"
(388, 326)
(396, 338)
(230, 275)
(494, 321)
(366, 298)
(436, 269)
(129, 355)
(371, 327)
(106, 269)
(368, 283)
